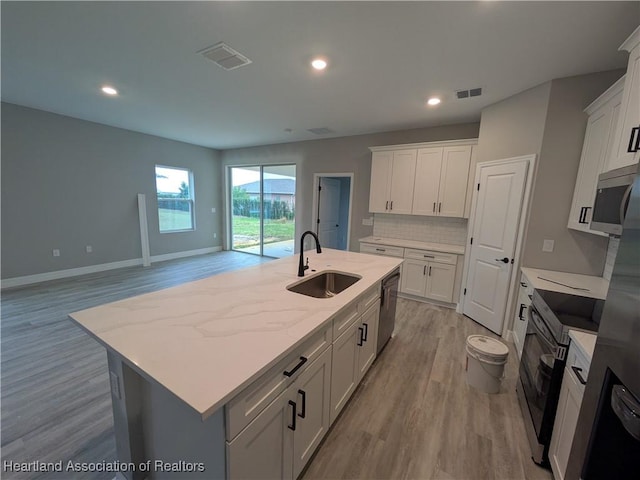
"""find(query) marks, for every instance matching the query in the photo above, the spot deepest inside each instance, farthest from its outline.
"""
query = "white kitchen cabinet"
(367, 339)
(440, 185)
(353, 353)
(521, 317)
(597, 148)
(564, 427)
(429, 274)
(280, 440)
(379, 190)
(427, 181)
(627, 133)
(312, 393)
(440, 279)
(344, 376)
(421, 178)
(265, 448)
(391, 173)
(414, 277)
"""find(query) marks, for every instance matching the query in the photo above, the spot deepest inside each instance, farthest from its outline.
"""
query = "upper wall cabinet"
(391, 174)
(440, 186)
(627, 137)
(421, 179)
(598, 145)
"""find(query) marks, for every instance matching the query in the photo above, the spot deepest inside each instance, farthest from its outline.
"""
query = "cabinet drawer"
(369, 298)
(385, 250)
(252, 400)
(343, 321)
(428, 256)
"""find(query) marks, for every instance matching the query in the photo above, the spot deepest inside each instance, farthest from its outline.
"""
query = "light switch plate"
(547, 245)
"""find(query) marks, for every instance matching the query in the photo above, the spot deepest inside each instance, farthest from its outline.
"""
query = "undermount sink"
(324, 285)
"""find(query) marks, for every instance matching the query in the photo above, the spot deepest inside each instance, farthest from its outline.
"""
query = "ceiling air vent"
(225, 56)
(320, 131)
(473, 92)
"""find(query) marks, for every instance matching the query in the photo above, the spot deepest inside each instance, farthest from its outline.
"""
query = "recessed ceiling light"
(109, 90)
(433, 101)
(319, 64)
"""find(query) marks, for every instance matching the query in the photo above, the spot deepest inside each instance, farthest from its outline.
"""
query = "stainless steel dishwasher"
(388, 300)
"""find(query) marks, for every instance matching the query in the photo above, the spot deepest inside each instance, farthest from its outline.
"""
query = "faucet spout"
(301, 266)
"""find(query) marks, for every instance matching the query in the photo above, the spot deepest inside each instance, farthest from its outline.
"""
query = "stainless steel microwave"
(612, 199)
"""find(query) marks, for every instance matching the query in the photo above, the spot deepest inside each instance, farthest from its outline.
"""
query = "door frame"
(227, 204)
(524, 220)
(316, 199)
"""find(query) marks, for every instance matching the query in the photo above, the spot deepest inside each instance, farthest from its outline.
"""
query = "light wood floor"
(428, 423)
(412, 417)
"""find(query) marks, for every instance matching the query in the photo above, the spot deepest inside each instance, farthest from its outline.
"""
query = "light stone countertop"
(586, 342)
(398, 242)
(205, 341)
(597, 287)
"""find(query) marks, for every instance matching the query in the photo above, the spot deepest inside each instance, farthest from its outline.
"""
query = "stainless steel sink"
(324, 285)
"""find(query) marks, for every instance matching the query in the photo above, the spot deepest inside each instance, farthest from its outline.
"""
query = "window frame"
(191, 199)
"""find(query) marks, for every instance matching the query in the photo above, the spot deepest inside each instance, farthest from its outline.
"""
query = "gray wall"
(549, 121)
(68, 183)
(339, 155)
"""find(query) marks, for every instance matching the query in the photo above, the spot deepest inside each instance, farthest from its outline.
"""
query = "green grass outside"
(246, 231)
(174, 220)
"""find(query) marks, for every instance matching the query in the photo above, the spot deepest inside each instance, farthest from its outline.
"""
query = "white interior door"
(495, 228)
(329, 212)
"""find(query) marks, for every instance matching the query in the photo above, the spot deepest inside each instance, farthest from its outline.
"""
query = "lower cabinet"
(521, 315)
(353, 353)
(294, 417)
(367, 340)
(280, 440)
(428, 279)
(564, 427)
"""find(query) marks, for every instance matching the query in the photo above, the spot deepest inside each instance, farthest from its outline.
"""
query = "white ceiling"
(385, 60)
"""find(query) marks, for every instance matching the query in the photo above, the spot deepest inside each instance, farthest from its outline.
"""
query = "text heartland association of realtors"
(114, 466)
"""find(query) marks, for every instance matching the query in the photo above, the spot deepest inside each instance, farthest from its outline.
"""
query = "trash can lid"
(488, 346)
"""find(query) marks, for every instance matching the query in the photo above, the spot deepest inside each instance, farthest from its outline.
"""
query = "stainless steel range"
(551, 316)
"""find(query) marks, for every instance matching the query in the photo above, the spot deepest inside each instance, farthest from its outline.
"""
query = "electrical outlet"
(89, 248)
(56, 252)
(215, 235)
(547, 245)
(213, 210)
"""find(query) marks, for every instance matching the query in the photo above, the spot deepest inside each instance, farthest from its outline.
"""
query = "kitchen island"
(184, 362)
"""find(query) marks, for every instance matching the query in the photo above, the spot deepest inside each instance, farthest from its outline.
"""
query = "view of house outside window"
(174, 187)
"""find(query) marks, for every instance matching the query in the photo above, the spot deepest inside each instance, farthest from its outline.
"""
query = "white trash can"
(486, 358)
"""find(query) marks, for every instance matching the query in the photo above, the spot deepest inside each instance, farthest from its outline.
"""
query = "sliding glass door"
(262, 207)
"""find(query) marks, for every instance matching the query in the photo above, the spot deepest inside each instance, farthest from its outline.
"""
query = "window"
(174, 187)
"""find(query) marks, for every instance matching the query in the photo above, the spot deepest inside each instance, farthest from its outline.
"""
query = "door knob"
(503, 260)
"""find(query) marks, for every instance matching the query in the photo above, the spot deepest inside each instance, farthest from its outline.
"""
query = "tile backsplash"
(612, 252)
(451, 231)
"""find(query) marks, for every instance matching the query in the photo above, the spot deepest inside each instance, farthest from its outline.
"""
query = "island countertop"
(207, 340)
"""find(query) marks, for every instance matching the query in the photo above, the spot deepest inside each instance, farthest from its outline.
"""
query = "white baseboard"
(188, 253)
(430, 301)
(102, 267)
